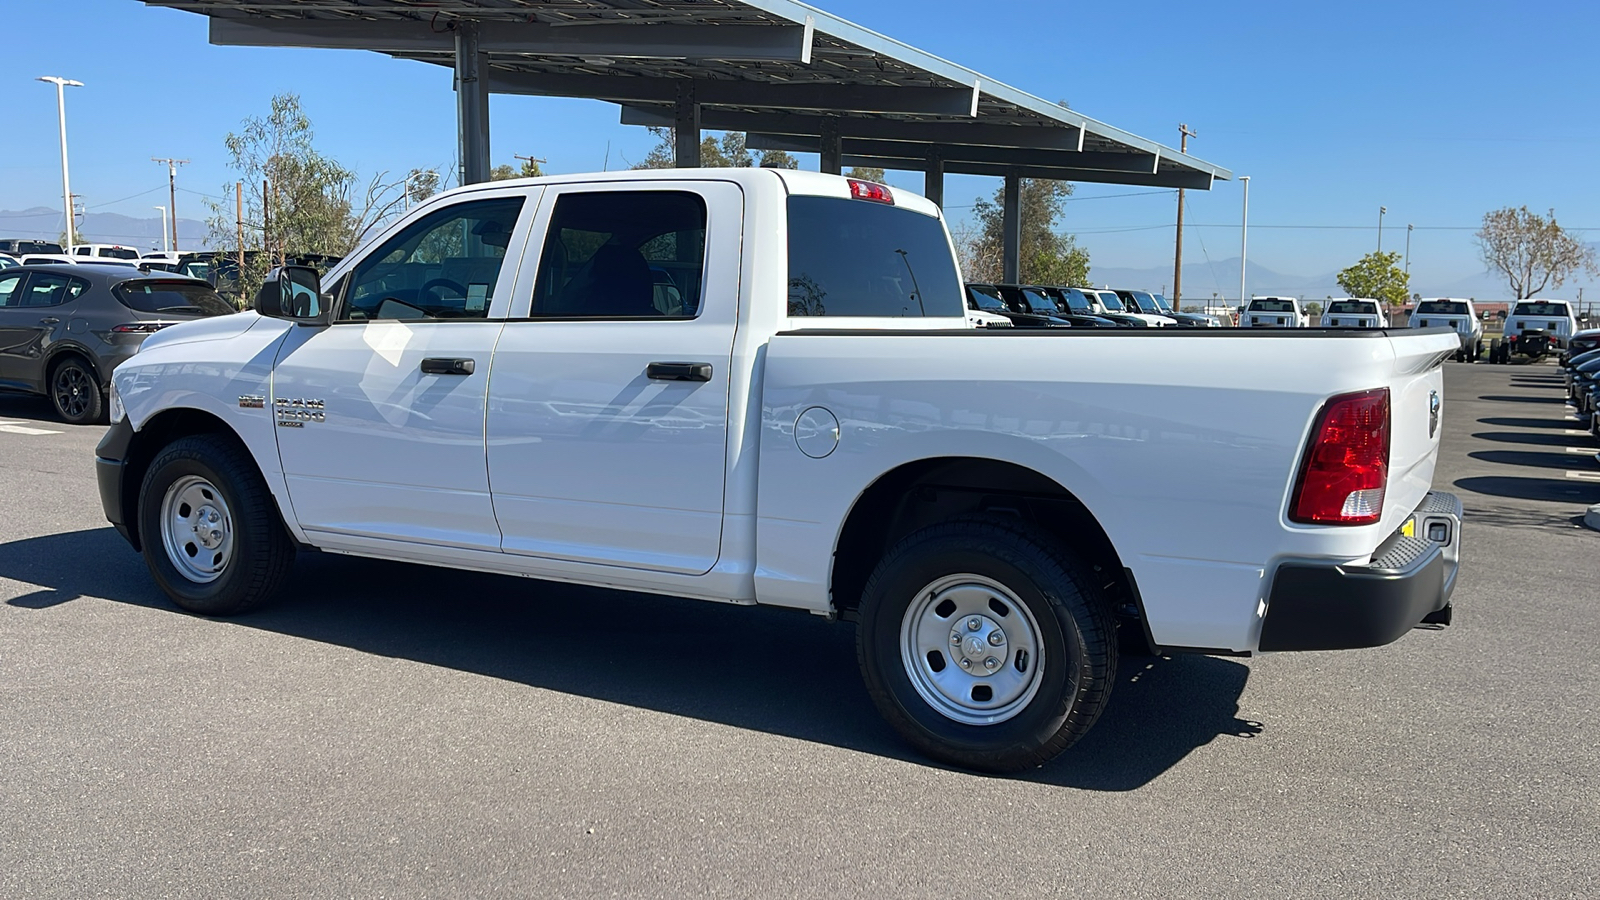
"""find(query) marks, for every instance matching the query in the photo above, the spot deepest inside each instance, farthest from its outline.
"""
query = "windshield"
(1540, 309)
(1286, 306)
(1352, 308)
(986, 298)
(176, 297)
(1039, 302)
(1077, 302)
(1441, 308)
(195, 270)
(1161, 302)
(1110, 301)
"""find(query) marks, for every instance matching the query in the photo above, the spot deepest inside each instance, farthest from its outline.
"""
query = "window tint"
(443, 266)
(985, 297)
(858, 258)
(48, 289)
(1351, 308)
(1540, 309)
(83, 251)
(1039, 303)
(1441, 308)
(119, 253)
(1076, 301)
(623, 255)
(176, 297)
(1274, 306)
(9, 296)
(1110, 301)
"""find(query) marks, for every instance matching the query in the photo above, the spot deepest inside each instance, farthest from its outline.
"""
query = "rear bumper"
(1332, 607)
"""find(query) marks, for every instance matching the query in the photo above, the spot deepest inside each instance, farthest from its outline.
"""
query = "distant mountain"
(101, 228)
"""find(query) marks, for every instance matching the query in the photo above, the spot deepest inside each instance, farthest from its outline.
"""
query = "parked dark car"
(18, 246)
(1156, 305)
(1582, 342)
(63, 328)
(1087, 303)
(990, 299)
(1040, 297)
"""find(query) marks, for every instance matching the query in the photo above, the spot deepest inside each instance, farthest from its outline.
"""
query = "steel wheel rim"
(197, 529)
(976, 619)
(72, 391)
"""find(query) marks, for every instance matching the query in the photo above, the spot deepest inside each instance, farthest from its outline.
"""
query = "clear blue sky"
(1438, 110)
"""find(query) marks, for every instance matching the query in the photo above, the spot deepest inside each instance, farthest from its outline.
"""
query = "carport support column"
(472, 104)
(832, 148)
(686, 128)
(933, 179)
(1011, 230)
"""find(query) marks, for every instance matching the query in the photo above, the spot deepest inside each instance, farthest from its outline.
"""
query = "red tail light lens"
(1346, 467)
(866, 190)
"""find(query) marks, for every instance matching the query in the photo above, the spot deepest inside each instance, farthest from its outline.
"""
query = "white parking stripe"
(9, 428)
(1584, 476)
(1580, 449)
(1573, 431)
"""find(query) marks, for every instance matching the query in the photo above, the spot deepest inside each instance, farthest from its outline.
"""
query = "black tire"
(1077, 640)
(75, 392)
(261, 549)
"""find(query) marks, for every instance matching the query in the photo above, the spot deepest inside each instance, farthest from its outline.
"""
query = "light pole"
(165, 247)
(1408, 248)
(61, 113)
(1244, 235)
(1381, 211)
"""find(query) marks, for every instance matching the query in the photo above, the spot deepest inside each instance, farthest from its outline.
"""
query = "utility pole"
(61, 114)
(1381, 211)
(1408, 248)
(1177, 258)
(1244, 236)
(238, 205)
(530, 159)
(172, 190)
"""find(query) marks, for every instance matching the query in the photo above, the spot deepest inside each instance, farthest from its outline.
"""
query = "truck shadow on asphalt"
(1543, 439)
(766, 669)
(1509, 399)
(1537, 460)
(1557, 490)
(1499, 422)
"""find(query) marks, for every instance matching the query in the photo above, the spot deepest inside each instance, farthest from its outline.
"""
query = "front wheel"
(211, 533)
(985, 646)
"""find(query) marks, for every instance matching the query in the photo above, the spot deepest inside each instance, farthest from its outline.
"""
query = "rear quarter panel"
(1183, 446)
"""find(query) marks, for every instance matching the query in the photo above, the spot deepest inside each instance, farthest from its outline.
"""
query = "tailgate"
(1416, 418)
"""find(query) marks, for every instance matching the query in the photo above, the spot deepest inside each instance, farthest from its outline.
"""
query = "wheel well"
(929, 491)
(162, 429)
(62, 356)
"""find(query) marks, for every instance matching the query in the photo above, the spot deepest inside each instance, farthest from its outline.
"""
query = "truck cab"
(1274, 312)
(1459, 316)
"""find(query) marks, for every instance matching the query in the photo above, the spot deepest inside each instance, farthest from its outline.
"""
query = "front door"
(380, 415)
(608, 407)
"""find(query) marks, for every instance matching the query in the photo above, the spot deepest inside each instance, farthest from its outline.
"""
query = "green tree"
(1378, 276)
(725, 152)
(865, 173)
(1045, 256)
(1531, 251)
(1314, 310)
(528, 169)
(296, 201)
(421, 184)
(777, 159)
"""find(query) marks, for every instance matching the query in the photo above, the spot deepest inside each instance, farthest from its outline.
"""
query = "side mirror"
(294, 293)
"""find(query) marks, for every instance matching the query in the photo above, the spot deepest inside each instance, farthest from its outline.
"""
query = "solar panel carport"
(791, 76)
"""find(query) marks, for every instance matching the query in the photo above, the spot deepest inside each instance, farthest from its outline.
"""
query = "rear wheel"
(212, 536)
(75, 392)
(984, 646)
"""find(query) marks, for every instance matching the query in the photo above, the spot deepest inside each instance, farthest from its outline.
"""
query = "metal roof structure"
(792, 76)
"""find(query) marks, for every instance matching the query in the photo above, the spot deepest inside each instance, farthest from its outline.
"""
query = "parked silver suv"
(63, 328)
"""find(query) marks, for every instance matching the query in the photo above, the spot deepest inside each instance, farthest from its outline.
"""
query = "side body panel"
(1186, 457)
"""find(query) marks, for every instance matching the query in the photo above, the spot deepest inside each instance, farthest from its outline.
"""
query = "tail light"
(139, 328)
(867, 190)
(1346, 466)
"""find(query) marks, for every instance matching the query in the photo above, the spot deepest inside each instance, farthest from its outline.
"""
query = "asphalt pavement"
(397, 731)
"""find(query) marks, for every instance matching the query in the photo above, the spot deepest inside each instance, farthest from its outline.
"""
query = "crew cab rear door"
(608, 400)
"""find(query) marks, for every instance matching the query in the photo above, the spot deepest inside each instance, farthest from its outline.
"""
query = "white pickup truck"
(1537, 327)
(1354, 312)
(758, 387)
(1274, 312)
(1457, 315)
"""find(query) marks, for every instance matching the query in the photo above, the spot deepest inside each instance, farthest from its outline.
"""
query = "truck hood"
(214, 328)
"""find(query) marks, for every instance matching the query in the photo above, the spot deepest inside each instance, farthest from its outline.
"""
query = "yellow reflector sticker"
(1409, 529)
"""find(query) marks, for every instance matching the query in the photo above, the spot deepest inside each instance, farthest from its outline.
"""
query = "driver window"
(443, 266)
(622, 255)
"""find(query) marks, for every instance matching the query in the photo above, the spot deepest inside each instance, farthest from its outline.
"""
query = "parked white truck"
(1456, 314)
(758, 387)
(1274, 312)
(1536, 327)
(1354, 312)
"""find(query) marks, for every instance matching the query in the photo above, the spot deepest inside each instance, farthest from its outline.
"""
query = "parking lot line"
(1580, 449)
(10, 427)
(1574, 431)
(1584, 476)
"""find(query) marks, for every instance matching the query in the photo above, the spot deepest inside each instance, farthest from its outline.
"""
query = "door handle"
(49, 320)
(435, 365)
(678, 371)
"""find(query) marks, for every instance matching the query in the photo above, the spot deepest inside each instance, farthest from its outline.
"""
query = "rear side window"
(623, 255)
(859, 258)
(50, 289)
(171, 297)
